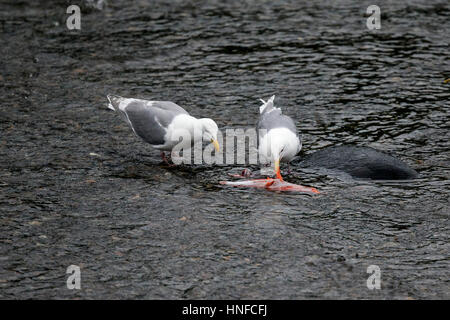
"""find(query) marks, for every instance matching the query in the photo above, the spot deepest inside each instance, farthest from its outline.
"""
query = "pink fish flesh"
(270, 184)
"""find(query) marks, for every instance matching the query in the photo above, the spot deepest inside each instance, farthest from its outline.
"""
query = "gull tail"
(267, 105)
(114, 102)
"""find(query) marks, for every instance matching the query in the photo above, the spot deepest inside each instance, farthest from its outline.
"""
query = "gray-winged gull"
(278, 139)
(162, 123)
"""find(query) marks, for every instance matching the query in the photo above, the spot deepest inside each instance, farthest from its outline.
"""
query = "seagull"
(278, 139)
(162, 123)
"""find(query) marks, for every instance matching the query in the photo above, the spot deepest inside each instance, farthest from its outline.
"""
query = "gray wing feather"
(148, 119)
(149, 123)
(272, 120)
(168, 105)
(275, 119)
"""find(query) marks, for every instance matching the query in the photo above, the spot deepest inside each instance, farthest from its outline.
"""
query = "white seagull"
(278, 139)
(162, 123)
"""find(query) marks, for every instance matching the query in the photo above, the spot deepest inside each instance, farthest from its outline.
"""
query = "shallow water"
(76, 187)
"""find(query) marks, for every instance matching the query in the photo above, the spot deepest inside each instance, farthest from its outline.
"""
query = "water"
(76, 187)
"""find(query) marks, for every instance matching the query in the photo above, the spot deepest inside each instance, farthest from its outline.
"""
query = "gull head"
(210, 131)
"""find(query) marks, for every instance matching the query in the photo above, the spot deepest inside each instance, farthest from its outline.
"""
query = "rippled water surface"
(76, 187)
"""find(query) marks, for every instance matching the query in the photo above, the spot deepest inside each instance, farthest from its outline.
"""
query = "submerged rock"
(359, 162)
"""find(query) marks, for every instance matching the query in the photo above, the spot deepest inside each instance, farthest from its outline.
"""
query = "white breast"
(282, 136)
(185, 127)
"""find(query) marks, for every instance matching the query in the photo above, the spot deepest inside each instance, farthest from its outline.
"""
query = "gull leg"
(163, 156)
(278, 169)
(279, 177)
(165, 159)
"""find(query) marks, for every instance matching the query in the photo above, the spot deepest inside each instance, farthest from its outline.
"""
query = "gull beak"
(277, 169)
(216, 144)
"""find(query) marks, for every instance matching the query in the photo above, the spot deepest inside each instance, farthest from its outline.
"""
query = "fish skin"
(270, 184)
